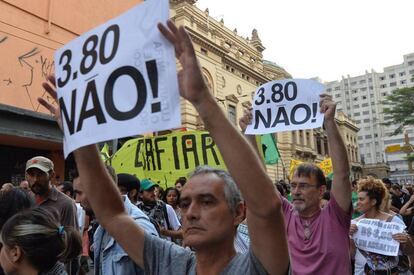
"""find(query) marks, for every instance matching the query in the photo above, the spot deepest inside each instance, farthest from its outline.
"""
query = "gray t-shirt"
(164, 257)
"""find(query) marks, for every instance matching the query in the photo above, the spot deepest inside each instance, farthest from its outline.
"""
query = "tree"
(399, 109)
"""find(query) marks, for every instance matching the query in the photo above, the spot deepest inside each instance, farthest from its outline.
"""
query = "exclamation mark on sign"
(153, 78)
(314, 110)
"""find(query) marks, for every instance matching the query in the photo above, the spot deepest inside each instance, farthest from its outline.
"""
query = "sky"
(323, 38)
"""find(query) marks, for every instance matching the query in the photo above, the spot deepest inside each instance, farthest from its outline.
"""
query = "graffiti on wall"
(24, 65)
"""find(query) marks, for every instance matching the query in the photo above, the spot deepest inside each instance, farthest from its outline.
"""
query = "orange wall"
(28, 41)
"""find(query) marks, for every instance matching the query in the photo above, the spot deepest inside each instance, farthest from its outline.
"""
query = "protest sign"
(376, 236)
(165, 158)
(118, 79)
(286, 105)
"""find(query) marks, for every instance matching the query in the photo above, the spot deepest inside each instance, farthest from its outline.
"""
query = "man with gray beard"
(318, 238)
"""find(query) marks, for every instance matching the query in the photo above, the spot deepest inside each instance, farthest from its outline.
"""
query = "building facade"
(30, 32)
(232, 65)
(361, 97)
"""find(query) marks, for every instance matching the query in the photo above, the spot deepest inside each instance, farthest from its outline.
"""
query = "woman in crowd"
(172, 197)
(33, 242)
(12, 202)
(371, 194)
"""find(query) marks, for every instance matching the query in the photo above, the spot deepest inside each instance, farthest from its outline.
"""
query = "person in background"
(371, 193)
(12, 202)
(7, 187)
(172, 197)
(109, 257)
(159, 192)
(129, 184)
(24, 184)
(325, 199)
(355, 213)
(180, 182)
(399, 198)
(388, 183)
(34, 242)
(309, 227)
(161, 214)
(39, 174)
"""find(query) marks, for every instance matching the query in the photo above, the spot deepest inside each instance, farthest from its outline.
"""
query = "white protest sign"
(118, 79)
(286, 105)
(376, 236)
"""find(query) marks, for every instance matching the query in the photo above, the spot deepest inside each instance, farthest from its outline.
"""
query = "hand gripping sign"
(286, 105)
(118, 79)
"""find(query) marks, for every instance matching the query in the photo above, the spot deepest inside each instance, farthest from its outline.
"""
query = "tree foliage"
(399, 109)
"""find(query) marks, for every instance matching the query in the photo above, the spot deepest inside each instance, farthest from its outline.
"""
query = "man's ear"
(322, 190)
(15, 254)
(52, 174)
(240, 213)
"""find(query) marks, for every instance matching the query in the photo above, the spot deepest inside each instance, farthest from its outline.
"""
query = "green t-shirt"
(355, 213)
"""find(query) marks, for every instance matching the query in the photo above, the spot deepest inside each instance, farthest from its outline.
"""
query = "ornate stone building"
(233, 67)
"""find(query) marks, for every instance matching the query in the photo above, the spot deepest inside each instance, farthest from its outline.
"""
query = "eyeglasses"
(302, 185)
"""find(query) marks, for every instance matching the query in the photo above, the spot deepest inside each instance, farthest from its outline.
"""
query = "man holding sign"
(318, 238)
(211, 203)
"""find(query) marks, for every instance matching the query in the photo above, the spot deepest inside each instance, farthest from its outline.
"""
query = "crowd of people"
(213, 222)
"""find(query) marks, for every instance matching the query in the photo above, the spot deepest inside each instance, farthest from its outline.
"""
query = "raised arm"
(406, 209)
(102, 192)
(264, 215)
(341, 185)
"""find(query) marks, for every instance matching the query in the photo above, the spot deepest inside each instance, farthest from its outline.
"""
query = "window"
(337, 88)
(393, 84)
(371, 87)
(402, 74)
(375, 135)
(363, 89)
(364, 97)
(231, 112)
(354, 91)
(382, 78)
(329, 89)
(383, 86)
(370, 79)
(366, 120)
(365, 112)
(360, 138)
(353, 83)
(357, 114)
(355, 98)
(364, 104)
(368, 136)
(392, 76)
(403, 81)
(356, 106)
(410, 63)
(362, 81)
(338, 95)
